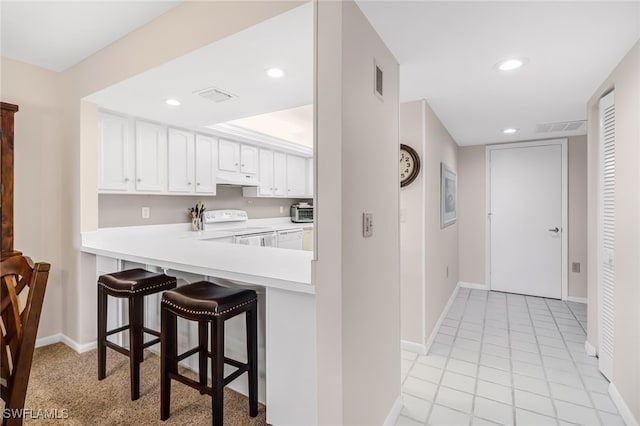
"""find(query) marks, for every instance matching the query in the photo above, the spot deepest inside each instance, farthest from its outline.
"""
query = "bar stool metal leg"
(168, 359)
(217, 371)
(252, 358)
(102, 333)
(136, 318)
(203, 342)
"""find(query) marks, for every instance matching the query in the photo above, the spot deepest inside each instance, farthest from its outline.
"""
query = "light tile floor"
(507, 359)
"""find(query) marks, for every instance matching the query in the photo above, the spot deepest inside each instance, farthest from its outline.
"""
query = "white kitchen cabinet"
(248, 159)
(296, 176)
(115, 153)
(279, 174)
(272, 174)
(206, 159)
(228, 156)
(236, 157)
(181, 161)
(266, 173)
(151, 157)
(310, 177)
(192, 163)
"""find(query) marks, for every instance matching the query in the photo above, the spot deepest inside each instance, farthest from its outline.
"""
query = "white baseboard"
(622, 407)
(443, 315)
(394, 413)
(474, 286)
(414, 347)
(577, 299)
(589, 348)
(61, 338)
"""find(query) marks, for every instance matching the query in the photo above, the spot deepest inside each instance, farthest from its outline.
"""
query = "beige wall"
(125, 210)
(441, 250)
(578, 215)
(472, 214)
(625, 78)
(39, 164)
(357, 278)
(412, 218)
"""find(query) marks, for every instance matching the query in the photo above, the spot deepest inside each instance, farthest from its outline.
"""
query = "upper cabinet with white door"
(206, 159)
(296, 176)
(181, 145)
(115, 153)
(192, 163)
(237, 163)
(151, 157)
(272, 172)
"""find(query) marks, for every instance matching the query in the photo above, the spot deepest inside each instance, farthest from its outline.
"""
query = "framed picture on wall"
(448, 196)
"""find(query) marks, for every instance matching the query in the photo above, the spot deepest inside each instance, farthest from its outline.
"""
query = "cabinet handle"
(243, 165)
(126, 179)
(139, 180)
(197, 183)
(236, 164)
(188, 183)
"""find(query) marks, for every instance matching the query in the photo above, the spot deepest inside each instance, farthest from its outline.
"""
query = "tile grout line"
(511, 372)
(546, 376)
(444, 367)
(475, 386)
(593, 407)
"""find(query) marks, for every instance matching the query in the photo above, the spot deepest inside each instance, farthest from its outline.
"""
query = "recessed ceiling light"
(275, 72)
(172, 102)
(511, 64)
(509, 130)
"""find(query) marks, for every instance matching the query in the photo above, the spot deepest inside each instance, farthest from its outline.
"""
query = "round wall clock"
(409, 165)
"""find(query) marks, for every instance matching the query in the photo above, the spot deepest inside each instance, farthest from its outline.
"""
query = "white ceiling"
(235, 64)
(447, 51)
(58, 34)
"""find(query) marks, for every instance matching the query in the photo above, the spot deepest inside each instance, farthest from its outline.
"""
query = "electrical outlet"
(146, 212)
(281, 209)
(575, 267)
(367, 224)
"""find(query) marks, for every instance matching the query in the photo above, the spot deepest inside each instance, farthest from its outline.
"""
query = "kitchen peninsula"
(282, 278)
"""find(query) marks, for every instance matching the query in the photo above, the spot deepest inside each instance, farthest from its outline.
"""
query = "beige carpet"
(62, 379)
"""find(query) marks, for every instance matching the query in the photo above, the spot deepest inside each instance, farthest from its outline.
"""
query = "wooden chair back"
(22, 287)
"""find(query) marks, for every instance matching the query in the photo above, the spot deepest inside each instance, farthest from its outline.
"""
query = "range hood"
(236, 179)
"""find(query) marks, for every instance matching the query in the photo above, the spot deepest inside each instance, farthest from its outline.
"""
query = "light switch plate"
(146, 212)
(367, 224)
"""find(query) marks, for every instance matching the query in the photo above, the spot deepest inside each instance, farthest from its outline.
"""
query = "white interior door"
(527, 210)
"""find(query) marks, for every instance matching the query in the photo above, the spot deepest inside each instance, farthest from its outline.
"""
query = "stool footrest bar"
(117, 348)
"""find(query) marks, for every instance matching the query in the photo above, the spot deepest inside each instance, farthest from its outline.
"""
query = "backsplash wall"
(126, 210)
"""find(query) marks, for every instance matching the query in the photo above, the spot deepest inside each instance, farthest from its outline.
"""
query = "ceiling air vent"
(562, 126)
(214, 94)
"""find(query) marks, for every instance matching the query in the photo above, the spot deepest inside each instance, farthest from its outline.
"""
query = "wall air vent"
(214, 94)
(562, 126)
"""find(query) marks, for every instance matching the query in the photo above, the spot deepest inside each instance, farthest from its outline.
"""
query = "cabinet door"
(310, 177)
(115, 153)
(151, 157)
(228, 156)
(279, 174)
(249, 159)
(296, 176)
(206, 159)
(181, 161)
(266, 172)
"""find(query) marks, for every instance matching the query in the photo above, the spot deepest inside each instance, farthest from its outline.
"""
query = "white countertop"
(176, 247)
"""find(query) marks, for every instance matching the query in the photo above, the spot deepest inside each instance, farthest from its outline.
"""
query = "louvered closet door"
(606, 235)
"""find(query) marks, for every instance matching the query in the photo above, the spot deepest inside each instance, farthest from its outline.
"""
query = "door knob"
(556, 229)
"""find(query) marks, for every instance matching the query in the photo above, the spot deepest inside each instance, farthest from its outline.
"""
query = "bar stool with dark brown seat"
(133, 284)
(206, 302)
